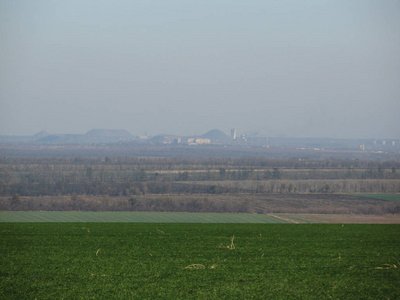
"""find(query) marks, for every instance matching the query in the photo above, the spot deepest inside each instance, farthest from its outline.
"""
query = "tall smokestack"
(233, 134)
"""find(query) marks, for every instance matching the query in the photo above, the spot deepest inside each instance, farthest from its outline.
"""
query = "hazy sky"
(282, 68)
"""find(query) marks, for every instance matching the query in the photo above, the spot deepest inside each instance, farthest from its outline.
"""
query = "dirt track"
(345, 219)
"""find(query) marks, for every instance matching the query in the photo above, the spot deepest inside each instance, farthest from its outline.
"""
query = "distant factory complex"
(212, 137)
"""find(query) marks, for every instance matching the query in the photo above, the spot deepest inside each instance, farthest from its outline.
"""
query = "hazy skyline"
(282, 68)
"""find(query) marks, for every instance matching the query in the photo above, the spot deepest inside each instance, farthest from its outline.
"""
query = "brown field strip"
(284, 218)
(340, 218)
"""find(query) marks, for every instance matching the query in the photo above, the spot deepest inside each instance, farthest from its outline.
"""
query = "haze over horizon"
(284, 68)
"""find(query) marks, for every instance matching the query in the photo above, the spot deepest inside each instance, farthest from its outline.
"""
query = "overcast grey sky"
(282, 68)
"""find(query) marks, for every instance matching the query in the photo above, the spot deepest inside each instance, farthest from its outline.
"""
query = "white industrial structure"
(233, 134)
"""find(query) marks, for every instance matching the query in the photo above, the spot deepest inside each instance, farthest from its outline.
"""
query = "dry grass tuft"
(232, 244)
(160, 231)
(195, 267)
(231, 247)
(389, 266)
(213, 266)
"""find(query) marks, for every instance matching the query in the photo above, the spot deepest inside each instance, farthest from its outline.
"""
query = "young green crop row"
(206, 261)
(135, 217)
(382, 196)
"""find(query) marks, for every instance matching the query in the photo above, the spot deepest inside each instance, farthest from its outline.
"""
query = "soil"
(345, 219)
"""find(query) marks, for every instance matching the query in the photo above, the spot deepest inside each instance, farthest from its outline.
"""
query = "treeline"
(206, 187)
(137, 176)
(192, 152)
(182, 163)
(101, 175)
(241, 203)
(251, 185)
(342, 186)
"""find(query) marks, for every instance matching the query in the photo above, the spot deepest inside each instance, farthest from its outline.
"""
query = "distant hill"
(40, 134)
(94, 136)
(63, 139)
(216, 136)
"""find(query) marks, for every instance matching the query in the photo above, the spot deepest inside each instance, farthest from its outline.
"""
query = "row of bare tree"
(244, 203)
(206, 187)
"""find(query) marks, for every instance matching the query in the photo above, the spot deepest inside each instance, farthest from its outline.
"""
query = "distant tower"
(233, 134)
(384, 143)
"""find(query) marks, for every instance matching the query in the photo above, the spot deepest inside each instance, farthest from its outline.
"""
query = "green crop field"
(138, 217)
(201, 261)
(387, 197)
